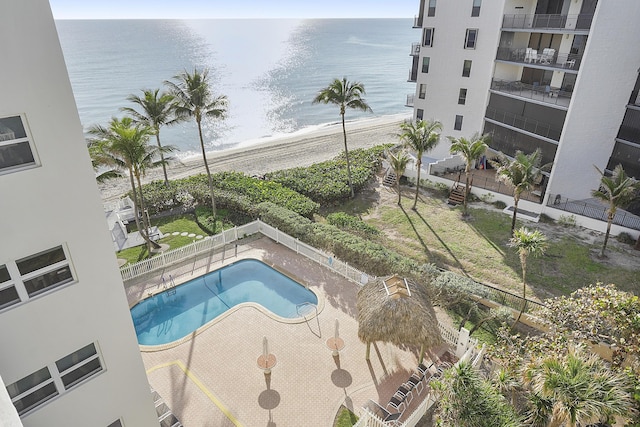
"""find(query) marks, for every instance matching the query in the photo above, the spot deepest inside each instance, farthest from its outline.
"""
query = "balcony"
(524, 123)
(417, 21)
(561, 23)
(568, 62)
(410, 100)
(415, 49)
(549, 95)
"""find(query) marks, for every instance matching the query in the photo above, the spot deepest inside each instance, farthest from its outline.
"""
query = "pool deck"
(213, 380)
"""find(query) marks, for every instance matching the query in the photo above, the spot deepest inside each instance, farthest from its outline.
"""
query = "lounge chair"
(396, 402)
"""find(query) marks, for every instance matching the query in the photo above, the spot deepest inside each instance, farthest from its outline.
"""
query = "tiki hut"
(397, 311)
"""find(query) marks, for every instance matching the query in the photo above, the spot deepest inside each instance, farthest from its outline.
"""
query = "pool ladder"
(171, 286)
(300, 309)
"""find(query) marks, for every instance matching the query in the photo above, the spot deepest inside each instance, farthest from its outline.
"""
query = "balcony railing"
(590, 210)
(524, 123)
(534, 58)
(417, 21)
(547, 21)
(413, 75)
(547, 94)
(415, 49)
(410, 100)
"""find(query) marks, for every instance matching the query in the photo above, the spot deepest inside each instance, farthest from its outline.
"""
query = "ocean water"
(270, 70)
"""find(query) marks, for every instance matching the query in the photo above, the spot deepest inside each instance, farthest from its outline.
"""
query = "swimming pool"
(175, 313)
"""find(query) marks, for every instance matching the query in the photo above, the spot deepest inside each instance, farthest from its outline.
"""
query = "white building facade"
(69, 353)
(554, 75)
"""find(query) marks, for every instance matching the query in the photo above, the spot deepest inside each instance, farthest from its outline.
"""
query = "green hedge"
(326, 182)
(360, 252)
(351, 223)
(233, 190)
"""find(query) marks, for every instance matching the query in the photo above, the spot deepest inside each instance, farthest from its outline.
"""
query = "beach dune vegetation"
(345, 94)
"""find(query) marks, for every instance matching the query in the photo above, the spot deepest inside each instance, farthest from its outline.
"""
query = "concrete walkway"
(212, 379)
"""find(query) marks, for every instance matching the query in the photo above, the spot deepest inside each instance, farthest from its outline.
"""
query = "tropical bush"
(327, 182)
(351, 223)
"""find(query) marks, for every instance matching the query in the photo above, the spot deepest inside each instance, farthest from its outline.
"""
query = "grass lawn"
(477, 247)
(181, 223)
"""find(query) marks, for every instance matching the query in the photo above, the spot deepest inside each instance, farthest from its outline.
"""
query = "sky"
(216, 9)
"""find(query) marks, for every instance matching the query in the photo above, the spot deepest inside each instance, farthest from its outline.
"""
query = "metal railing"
(538, 93)
(589, 210)
(413, 75)
(417, 21)
(547, 21)
(410, 100)
(524, 123)
(415, 49)
(562, 61)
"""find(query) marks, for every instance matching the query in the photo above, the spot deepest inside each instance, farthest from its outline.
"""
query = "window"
(475, 10)
(8, 293)
(466, 68)
(432, 8)
(35, 389)
(427, 37)
(79, 365)
(458, 123)
(44, 271)
(16, 150)
(422, 94)
(419, 114)
(425, 64)
(471, 38)
(462, 96)
(32, 390)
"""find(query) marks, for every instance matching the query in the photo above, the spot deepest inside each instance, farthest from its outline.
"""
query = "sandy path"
(281, 153)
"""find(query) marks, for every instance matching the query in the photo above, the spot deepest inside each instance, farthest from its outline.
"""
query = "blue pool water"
(177, 312)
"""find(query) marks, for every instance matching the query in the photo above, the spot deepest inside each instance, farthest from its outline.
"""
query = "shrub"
(487, 198)
(327, 182)
(351, 223)
(625, 238)
(545, 219)
(567, 220)
(499, 204)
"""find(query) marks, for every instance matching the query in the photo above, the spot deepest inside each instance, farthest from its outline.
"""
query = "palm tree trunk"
(523, 261)
(606, 235)
(164, 167)
(135, 199)
(399, 194)
(145, 224)
(210, 180)
(346, 155)
(419, 165)
(516, 199)
(466, 189)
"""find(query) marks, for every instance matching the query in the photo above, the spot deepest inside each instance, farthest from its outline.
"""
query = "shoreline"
(300, 148)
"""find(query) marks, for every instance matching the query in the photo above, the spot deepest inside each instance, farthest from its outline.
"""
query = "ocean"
(270, 70)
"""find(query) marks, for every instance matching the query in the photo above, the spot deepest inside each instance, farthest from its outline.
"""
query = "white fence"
(232, 235)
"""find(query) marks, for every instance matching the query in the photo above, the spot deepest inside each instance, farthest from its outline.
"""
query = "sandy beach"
(302, 149)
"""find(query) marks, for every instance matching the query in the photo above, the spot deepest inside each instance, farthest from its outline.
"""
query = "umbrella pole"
(368, 349)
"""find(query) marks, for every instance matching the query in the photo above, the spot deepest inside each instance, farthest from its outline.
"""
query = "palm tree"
(121, 147)
(195, 100)
(157, 110)
(523, 172)
(617, 190)
(344, 94)
(471, 150)
(399, 165)
(576, 390)
(527, 242)
(421, 137)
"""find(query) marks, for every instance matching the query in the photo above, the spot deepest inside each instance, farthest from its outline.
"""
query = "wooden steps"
(456, 195)
(390, 179)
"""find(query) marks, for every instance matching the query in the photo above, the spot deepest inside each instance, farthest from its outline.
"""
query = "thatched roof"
(394, 310)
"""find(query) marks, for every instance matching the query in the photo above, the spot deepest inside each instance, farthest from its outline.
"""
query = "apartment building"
(558, 75)
(69, 353)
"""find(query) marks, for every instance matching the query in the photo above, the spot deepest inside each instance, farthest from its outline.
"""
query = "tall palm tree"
(575, 389)
(157, 110)
(617, 190)
(122, 147)
(522, 173)
(344, 94)
(471, 150)
(527, 242)
(399, 165)
(195, 100)
(421, 136)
